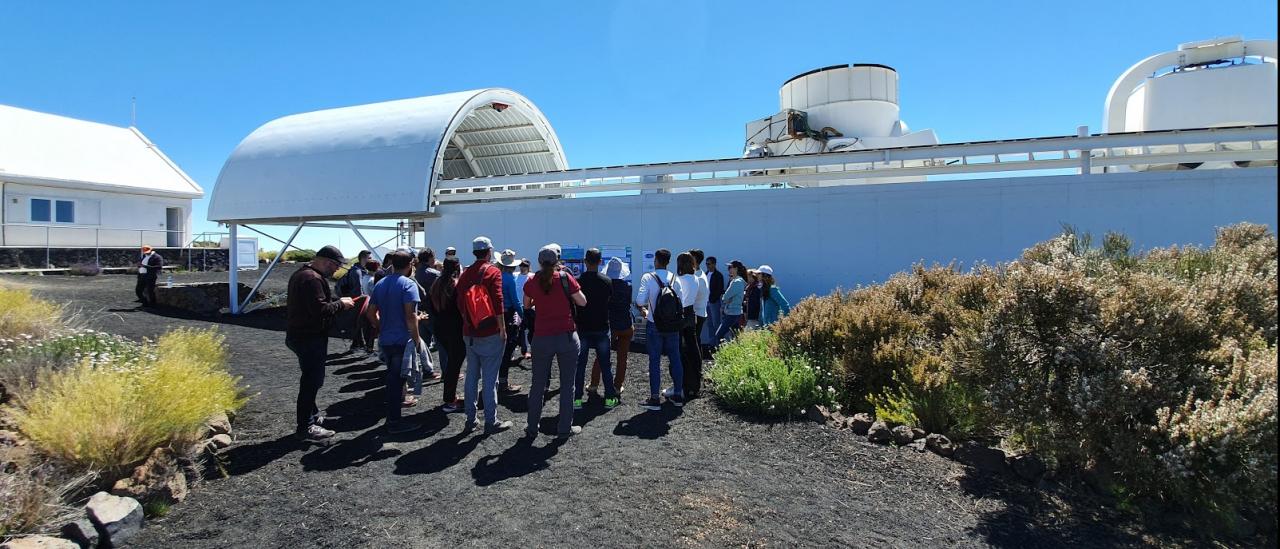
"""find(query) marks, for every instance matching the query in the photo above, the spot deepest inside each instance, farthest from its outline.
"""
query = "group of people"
(478, 315)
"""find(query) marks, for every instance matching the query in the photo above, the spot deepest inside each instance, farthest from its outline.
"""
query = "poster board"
(572, 257)
(622, 252)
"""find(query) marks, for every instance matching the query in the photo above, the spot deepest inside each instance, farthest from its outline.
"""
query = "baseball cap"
(765, 269)
(331, 252)
(547, 255)
(481, 243)
(450, 251)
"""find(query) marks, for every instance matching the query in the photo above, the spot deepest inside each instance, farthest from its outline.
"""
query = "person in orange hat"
(149, 267)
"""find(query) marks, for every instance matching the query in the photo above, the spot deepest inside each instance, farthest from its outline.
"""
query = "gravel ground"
(700, 476)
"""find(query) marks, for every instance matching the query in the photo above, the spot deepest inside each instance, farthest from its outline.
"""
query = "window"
(65, 211)
(40, 210)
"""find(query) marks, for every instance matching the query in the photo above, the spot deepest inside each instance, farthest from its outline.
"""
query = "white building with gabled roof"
(73, 183)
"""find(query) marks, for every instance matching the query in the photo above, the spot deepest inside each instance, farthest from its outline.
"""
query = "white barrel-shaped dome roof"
(381, 160)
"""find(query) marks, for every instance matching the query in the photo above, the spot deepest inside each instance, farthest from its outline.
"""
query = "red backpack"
(478, 305)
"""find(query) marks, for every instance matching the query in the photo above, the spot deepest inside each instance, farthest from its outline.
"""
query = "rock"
(980, 457)
(917, 433)
(39, 542)
(82, 532)
(860, 423)
(160, 478)
(879, 433)
(117, 519)
(901, 435)
(939, 444)
(220, 441)
(219, 424)
(838, 420)
(917, 445)
(818, 413)
(1028, 466)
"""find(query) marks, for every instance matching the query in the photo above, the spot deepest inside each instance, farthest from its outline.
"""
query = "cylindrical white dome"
(858, 100)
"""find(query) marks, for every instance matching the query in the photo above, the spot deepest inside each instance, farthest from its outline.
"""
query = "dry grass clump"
(35, 499)
(23, 317)
(1159, 367)
(110, 415)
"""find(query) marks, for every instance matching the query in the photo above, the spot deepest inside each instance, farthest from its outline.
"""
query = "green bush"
(299, 256)
(22, 366)
(749, 378)
(112, 413)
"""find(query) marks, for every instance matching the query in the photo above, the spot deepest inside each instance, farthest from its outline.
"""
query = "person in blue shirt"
(773, 305)
(513, 312)
(731, 303)
(393, 310)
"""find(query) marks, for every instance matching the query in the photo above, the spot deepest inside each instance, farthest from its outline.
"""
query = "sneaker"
(401, 427)
(498, 427)
(574, 430)
(611, 403)
(434, 376)
(668, 392)
(509, 389)
(453, 407)
(577, 404)
(409, 402)
(468, 427)
(652, 404)
(621, 388)
(531, 432)
(316, 433)
(593, 389)
(678, 400)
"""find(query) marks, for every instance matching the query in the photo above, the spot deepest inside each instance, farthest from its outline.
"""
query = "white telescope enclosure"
(375, 162)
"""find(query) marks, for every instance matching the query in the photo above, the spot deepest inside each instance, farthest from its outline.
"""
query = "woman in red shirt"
(554, 336)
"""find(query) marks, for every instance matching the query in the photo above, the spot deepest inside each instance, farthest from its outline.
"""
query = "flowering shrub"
(751, 379)
(110, 413)
(24, 360)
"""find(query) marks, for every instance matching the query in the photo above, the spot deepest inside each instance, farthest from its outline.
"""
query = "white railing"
(65, 235)
(1224, 147)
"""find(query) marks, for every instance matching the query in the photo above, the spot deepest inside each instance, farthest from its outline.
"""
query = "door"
(173, 227)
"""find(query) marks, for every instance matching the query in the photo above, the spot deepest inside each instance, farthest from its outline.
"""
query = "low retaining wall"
(204, 298)
(195, 259)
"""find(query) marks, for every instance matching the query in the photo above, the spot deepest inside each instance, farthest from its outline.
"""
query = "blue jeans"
(484, 359)
(658, 344)
(728, 329)
(714, 315)
(600, 342)
(393, 356)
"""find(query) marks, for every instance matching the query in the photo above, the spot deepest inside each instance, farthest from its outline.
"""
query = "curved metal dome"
(381, 160)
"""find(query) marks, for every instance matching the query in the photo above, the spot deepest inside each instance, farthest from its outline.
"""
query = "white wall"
(822, 238)
(117, 219)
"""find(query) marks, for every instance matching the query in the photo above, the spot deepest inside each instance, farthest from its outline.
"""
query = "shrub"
(34, 499)
(749, 378)
(299, 256)
(111, 414)
(265, 256)
(23, 316)
(23, 364)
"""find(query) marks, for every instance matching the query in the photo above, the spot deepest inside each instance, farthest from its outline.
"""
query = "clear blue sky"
(621, 82)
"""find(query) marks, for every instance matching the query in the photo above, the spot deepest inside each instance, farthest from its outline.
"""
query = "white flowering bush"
(749, 378)
(25, 359)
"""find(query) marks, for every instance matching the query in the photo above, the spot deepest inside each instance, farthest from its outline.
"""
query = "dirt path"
(693, 477)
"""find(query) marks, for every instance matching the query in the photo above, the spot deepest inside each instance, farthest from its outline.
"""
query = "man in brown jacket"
(311, 309)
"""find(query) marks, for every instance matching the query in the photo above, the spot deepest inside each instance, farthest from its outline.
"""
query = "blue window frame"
(64, 211)
(40, 210)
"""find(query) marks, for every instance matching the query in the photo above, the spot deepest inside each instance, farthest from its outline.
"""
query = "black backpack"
(668, 312)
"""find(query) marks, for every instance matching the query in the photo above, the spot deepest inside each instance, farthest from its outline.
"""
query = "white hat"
(617, 269)
(765, 269)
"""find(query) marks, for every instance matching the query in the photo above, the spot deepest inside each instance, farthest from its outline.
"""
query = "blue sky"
(622, 82)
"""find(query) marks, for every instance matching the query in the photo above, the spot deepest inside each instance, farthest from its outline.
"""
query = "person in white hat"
(773, 305)
(484, 337)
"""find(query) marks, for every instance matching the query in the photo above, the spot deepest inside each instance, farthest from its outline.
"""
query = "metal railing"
(41, 235)
(1083, 153)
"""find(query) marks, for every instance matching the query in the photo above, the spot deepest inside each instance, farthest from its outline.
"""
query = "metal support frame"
(270, 266)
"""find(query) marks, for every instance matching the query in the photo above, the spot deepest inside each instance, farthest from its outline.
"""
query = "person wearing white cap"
(773, 304)
(621, 323)
(553, 293)
(483, 332)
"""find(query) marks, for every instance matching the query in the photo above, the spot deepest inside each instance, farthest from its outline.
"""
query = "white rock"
(116, 518)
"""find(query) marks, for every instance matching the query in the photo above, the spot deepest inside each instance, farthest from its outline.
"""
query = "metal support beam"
(274, 238)
(321, 225)
(466, 154)
(491, 130)
(356, 230)
(270, 266)
(233, 272)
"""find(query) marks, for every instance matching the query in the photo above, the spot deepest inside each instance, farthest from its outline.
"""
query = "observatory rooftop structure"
(381, 160)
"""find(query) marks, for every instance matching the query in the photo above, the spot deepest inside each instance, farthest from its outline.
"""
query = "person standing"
(593, 328)
(732, 304)
(310, 309)
(552, 291)
(484, 332)
(753, 299)
(773, 305)
(426, 276)
(522, 277)
(442, 308)
(393, 308)
(512, 312)
(659, 288)
(352, 285)
(715, 308)
(692, 289)
(149, 267)
(700, 306)
(621, 324)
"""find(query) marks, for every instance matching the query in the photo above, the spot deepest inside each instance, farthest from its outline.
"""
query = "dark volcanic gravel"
(700, 476)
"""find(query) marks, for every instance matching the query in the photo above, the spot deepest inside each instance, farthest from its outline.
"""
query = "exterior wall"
(102, 218)
(818, 239)
(195, 259)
